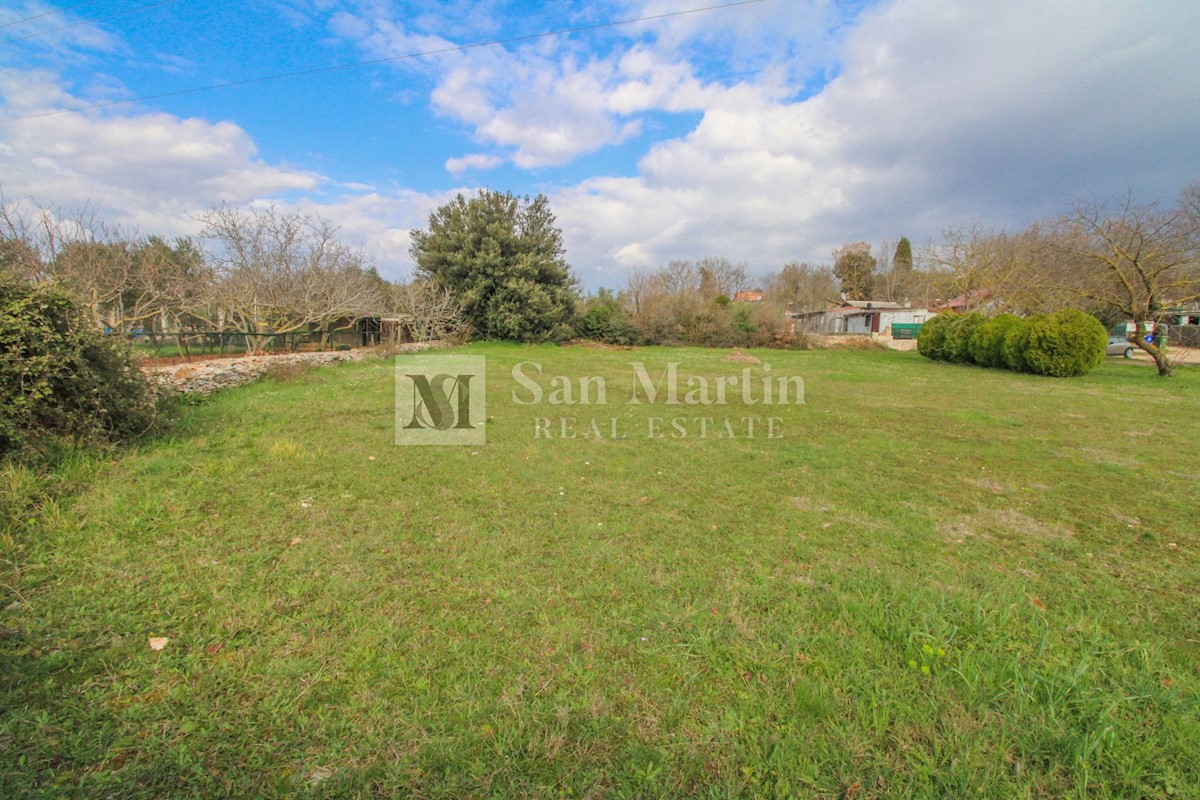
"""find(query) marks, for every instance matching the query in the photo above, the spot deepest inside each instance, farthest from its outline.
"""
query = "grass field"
(941, 582)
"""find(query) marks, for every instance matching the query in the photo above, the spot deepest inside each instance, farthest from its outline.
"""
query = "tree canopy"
(854, 267)
(502, 257)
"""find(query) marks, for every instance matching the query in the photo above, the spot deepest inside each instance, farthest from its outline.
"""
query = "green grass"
(942, 582)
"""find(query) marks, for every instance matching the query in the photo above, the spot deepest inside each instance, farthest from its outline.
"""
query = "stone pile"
(205, 377)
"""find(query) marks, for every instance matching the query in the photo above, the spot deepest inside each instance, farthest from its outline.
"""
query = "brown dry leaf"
(158, 642)
(1038, 603)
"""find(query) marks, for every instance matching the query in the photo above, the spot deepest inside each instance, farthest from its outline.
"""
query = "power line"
(371, 62)
(46, 13)
(89, 21)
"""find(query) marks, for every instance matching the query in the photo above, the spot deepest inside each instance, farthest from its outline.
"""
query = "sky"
(764, 132)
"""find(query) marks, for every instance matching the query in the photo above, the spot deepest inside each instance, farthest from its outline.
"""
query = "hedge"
(987, 342)
(931, 341)
(1065, 343)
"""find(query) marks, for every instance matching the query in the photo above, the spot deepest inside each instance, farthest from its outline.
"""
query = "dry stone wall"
(205, 377)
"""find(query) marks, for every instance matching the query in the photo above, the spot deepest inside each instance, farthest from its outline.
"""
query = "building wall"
(903, 316)
(858, 323)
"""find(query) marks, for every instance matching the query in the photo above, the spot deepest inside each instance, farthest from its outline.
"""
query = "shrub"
(60, 378)
(1016, 340)
(1065, 343)
(958, 337)
(931, 341)
(605, 322)
(987, 340)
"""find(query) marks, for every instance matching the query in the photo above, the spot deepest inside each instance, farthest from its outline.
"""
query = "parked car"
(1119, 346)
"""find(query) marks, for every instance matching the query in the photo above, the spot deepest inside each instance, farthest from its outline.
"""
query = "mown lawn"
(942, 582)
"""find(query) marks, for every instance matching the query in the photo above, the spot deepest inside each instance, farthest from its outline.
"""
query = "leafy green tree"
(502, 256)
(854, 267)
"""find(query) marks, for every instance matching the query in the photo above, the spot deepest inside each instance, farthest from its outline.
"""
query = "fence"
(1183, 335)
(189, 343)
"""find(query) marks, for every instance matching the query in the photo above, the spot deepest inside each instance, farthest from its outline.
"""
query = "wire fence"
(170, 344)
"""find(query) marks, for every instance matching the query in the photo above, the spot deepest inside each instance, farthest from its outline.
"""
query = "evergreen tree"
(502, 257)
(902, 262)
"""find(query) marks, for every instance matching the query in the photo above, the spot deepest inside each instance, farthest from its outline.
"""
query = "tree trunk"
(1156, 352)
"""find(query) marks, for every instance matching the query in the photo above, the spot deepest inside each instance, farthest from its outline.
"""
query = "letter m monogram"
(433, 406)
(441, 400)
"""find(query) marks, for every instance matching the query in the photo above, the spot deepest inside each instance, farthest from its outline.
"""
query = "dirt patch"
(742, 358)
(995, 487)
(589, 344)
(958, 530)
(806, 504)
(1098, 456)
(1004, 523)
(1176, 356)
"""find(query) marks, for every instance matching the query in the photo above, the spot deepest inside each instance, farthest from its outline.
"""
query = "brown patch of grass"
(988, 485)
(742, 358)
(591, 344)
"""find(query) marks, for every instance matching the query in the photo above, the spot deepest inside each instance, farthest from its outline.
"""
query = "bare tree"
(431, 312)
(1133, 260)
(281, 272)
(994, 267)
(803, 287)
(719, 276)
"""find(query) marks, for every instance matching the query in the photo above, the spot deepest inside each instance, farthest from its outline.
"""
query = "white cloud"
(457, 166)
(546, 102)
(58, 36)
(1004, 112)
(152, 168)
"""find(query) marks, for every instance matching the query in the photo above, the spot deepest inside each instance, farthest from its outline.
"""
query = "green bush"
(958, 337)
(1016, 340)
(605, 321)
(987, 340)
(60, 378)
(931, 341)
(1065, 343)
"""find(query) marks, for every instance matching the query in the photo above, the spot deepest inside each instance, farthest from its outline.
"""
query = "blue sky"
(766, 132)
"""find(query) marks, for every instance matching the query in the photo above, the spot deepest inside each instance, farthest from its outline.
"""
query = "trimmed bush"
(60, 378)
(1016, 339)
(931, 341)
(987, 341)
(958, 337)
(1065, 343)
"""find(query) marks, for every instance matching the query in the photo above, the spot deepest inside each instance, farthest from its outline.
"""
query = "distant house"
(974, 300)
(749, 297)
(862, 316)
